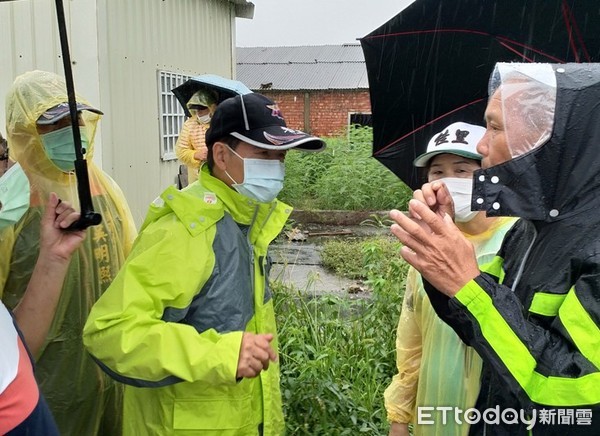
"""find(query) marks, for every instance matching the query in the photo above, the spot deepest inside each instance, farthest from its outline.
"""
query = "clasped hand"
(432, 242)
(255, 354)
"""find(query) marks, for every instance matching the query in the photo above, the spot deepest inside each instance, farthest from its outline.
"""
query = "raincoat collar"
(202, 204)
(561, 177)
(241, 208)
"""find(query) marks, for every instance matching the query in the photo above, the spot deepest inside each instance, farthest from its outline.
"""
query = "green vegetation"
(337, 354)
(343, 177)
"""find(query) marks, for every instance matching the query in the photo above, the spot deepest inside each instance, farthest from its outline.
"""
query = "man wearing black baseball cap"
(247, 142)
(191, 312)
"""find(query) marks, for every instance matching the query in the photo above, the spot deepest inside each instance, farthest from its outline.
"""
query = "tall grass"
(344, 177)
(338, 355)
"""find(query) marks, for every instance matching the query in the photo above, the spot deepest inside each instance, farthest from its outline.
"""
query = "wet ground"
(299, 262)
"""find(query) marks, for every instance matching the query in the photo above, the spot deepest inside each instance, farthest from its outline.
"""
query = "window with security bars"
(360, 119)
(171, 112)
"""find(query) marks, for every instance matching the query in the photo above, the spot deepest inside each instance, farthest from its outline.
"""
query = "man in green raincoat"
(188, 324)
(82, 399)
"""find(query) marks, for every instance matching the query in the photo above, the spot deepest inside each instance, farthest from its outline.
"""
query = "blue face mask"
(60, 148)
(263, 178)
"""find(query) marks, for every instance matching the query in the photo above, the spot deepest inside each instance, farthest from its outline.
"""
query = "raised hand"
(55, 241)
(437, 197)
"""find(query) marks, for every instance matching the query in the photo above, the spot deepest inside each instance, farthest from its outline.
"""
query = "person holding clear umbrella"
(191, 147)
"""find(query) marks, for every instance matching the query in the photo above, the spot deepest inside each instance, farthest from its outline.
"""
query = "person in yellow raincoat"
(435, 368)
(191, 147)
(83, 400)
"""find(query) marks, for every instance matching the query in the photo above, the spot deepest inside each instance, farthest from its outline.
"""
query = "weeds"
(344, 177)
(377, 221)
(338, 355)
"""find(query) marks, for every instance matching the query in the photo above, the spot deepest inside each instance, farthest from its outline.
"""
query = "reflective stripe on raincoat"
(171, 324)
(82, 399)
(533, 314)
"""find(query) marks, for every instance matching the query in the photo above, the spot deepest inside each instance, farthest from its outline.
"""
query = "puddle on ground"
(299, 262)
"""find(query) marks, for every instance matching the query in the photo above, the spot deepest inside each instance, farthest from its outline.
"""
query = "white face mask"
(14, 196)
(460, 190)
(263, 178)
(203, 119)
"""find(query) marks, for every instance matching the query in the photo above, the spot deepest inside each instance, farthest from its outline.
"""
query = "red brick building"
(319, 89)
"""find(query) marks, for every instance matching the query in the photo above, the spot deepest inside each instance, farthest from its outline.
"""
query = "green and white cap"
(458, 138)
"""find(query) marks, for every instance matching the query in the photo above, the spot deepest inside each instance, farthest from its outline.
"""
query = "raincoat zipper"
(512, 288)
(525, 257)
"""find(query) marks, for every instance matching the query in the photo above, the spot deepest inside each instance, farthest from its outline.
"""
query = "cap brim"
(422, 160)
(57, 113)
(280, 138)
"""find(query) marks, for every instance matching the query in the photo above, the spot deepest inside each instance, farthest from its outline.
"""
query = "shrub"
(343, 258)
(343, 177)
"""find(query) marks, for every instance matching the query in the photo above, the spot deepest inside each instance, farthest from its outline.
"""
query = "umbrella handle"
(88, 216)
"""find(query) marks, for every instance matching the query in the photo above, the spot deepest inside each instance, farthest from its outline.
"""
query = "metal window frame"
(171, 115)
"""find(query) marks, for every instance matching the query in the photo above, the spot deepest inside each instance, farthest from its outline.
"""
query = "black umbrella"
(224, 88)
(429, 66)
(88, 216)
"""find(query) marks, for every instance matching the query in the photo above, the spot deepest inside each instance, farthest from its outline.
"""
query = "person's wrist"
(51, 258)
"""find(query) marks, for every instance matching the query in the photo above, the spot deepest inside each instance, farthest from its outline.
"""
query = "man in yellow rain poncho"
(83, 400)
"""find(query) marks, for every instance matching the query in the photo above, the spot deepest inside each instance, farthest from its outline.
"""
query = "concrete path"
(299, 264)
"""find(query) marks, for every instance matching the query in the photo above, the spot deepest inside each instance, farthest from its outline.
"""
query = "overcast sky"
(313, 22)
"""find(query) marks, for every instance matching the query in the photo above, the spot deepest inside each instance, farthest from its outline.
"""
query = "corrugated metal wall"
(117, 47)
(140, 37)
(30, 41)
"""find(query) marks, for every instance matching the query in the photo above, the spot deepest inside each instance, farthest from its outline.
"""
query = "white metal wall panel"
(30, 41)
(140, 37)
(117, 47)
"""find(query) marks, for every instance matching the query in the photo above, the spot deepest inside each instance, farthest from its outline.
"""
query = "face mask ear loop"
(226, 173)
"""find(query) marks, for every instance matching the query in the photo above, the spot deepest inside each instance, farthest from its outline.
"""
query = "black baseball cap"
(255, 119)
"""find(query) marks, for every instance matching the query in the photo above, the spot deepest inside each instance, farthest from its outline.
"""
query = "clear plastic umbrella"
(224, 87)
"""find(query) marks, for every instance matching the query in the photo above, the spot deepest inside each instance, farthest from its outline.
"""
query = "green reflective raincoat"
(435, 368)
(170, 326)
(83, 400)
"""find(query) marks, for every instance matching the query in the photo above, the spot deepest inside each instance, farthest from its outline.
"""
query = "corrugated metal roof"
(302, 67)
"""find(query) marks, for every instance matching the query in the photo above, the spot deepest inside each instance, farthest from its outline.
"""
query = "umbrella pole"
(88, 216)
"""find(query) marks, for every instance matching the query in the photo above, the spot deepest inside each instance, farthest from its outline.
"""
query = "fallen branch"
(332, 233)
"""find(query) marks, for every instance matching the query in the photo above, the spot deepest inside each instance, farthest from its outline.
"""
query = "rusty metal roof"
(302, 68)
